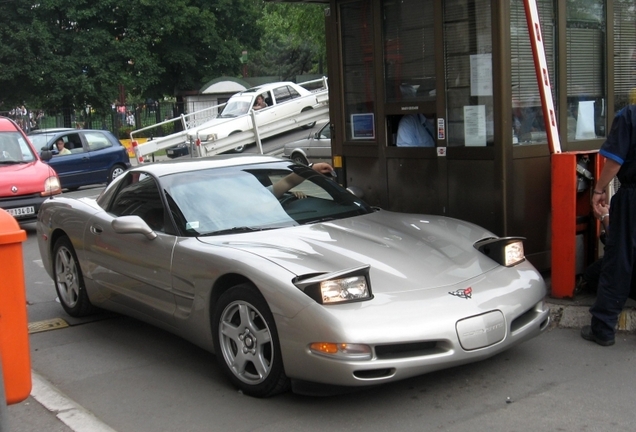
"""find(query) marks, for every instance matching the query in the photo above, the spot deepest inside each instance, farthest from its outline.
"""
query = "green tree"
(58, 54)
(292, 42)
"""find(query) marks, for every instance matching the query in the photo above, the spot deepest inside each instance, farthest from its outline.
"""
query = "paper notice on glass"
(475, 125)
(585, 121)
(481, 75)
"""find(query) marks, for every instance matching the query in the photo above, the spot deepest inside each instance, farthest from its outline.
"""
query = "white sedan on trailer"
(283, 100)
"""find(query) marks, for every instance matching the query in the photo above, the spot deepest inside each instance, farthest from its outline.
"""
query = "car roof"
(7, 125)
(266, 87)
(169, 167)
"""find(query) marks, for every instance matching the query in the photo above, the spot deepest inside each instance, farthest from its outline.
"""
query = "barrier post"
(14, 335)
(572, 221)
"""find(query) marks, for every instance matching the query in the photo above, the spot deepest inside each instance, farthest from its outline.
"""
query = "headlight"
(209, 137)
(351, 288)
(507, 251)
(338, 287)
(51, 186)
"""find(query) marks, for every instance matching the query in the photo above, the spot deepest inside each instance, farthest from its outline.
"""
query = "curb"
(570, 316)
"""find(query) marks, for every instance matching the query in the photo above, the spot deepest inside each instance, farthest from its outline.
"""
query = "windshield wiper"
(11, 162)
(322, 219)
(235, 230)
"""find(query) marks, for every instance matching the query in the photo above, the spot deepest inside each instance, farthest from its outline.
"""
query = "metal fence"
(120, 120)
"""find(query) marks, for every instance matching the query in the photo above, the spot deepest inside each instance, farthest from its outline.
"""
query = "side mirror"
(46, 155)
(133, 225)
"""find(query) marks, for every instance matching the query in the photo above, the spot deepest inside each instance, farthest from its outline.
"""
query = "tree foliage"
(61, 53)
(292, 42)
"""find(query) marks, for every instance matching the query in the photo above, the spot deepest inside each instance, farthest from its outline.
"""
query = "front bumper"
(33, 201)
(411, 336)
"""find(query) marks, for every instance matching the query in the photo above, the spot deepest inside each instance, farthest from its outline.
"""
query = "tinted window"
(282, 94)
(96, 141)
(139, 196)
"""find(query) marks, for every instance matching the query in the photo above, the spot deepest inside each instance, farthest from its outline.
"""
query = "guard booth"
(467, 65)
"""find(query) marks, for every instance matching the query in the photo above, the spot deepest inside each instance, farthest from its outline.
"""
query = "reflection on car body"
(285, 291)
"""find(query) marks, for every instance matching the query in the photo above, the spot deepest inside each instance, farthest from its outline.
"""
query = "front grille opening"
(523, 320)
(406, 350)
(374, 373)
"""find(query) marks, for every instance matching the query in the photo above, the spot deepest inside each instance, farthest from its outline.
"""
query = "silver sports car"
(288, 277)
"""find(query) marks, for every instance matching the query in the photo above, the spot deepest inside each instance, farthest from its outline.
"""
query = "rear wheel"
(308, 125)
(246, 342)
(69, 282)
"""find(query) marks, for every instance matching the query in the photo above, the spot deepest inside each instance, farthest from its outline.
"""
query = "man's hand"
(322, 168)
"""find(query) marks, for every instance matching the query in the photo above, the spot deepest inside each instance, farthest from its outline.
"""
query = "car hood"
(27, 177)
(405, 252)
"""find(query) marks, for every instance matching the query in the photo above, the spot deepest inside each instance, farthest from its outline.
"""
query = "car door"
(130, 269)
(288, 101)
(103, 155)
(320, 146)
(266, 115)
(73, 169)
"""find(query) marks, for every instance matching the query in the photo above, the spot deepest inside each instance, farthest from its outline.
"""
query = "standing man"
(617, 270)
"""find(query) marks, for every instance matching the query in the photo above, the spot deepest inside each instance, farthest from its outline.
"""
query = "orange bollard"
(14, 335)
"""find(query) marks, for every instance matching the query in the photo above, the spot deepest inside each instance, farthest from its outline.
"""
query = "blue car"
(89, 156)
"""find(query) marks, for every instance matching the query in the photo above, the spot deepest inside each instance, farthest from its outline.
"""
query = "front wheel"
(246, 342)
(69, 282)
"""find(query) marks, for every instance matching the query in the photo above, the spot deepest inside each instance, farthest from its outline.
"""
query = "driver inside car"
(292, 180)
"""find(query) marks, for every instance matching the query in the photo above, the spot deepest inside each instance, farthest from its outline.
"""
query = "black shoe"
(588, 334)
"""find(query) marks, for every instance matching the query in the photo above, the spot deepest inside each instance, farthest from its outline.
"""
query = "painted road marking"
(65, 409)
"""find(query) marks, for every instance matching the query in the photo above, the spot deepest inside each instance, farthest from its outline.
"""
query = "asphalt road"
(125, 375)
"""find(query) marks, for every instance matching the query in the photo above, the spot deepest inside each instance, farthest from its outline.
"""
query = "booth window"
(409, 72)
(358, 75)
(469, 86)
(528, 126)
(586, 69)
(409, 50)
(624, 54)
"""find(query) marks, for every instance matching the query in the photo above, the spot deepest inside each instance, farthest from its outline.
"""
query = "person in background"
(617, 271)
(61, 150)
(259, 103)
(415, 130)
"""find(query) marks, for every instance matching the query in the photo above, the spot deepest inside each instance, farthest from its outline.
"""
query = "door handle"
(96, 229)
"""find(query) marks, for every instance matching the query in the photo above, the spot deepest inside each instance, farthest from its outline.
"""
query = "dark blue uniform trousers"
(618, 263)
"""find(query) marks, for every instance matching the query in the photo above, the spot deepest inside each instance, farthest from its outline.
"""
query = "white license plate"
(170, 152)
(22, 211)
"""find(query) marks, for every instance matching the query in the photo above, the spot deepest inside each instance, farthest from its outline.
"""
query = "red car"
(25, 181)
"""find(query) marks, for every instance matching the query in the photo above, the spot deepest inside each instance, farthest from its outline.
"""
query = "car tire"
(308, 125)
(115, 172)
(246, 342)
(239, 149)
(69, 281)
(299, 158)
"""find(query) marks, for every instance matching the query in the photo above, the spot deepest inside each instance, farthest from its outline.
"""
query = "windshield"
(236, 106)
(240, 199)
(14, 148)
(40, 140)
